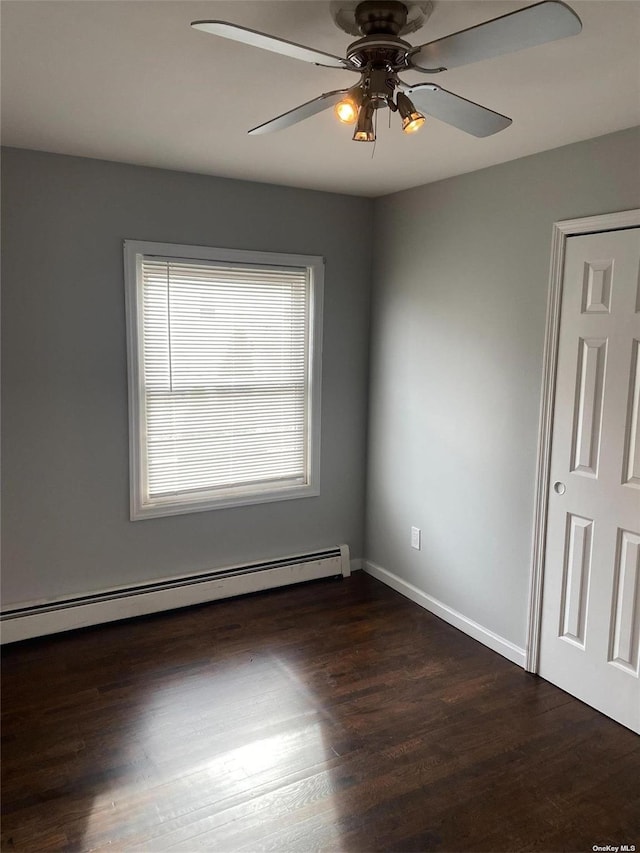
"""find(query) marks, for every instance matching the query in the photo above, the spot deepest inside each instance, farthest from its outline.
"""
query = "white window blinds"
(224, 380)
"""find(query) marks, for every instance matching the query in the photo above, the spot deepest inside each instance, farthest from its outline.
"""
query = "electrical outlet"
(415, 538)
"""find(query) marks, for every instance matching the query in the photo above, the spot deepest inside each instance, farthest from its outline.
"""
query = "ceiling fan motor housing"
(365, 18)
(381, 17)
(380, 22)
(378, 52)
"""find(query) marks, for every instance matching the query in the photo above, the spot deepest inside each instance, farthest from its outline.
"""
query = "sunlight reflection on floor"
(220, 754)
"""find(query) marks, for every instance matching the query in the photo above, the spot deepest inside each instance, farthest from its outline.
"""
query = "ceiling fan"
(380, 55)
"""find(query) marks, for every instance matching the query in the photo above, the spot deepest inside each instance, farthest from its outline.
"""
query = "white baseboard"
(37, 619)
(488, 638)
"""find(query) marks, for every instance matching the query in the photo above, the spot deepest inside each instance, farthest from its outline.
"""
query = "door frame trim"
(561, 231)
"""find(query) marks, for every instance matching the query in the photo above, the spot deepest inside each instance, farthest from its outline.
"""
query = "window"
(224, 377)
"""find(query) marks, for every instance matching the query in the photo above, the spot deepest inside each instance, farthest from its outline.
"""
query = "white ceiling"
(131, 81)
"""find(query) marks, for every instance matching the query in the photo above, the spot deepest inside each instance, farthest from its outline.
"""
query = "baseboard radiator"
(38, 619)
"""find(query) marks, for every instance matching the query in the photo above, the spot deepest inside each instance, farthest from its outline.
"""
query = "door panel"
(591, 597)
(631, 466)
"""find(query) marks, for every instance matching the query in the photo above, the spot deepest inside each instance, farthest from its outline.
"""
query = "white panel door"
(591, 595)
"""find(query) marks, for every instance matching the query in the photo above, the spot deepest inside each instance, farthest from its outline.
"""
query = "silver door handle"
(559, 488)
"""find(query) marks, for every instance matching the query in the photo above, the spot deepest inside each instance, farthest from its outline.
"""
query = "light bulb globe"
(346, 111)
(364, 131)
(413, 122)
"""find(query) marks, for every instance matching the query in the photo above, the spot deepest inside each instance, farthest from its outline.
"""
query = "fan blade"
(317, 105)
(267, 42)
(457, 111)
(528, 27)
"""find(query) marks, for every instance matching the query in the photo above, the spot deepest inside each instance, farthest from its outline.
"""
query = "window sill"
(161, 509)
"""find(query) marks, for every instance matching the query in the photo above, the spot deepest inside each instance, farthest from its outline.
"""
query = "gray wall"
(65, 453)
(458, 311)
(460, 281)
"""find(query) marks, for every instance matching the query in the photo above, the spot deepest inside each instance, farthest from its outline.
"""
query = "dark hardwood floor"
(332, 716)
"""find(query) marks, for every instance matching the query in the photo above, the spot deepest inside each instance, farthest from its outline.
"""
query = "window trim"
(134, 251)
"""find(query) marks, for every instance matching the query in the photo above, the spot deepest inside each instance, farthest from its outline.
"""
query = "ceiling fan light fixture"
(412, 120)
(364, 136)
(346, 110)
(364, 131)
